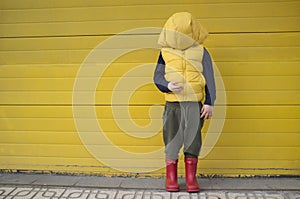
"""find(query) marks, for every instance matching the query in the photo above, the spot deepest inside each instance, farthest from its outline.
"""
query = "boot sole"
(172, 189)
(192, 190)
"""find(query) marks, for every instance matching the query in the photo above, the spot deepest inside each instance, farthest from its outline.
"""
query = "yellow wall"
(255, 44)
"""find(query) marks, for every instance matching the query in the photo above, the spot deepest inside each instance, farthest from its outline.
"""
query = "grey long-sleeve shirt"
(208, 73)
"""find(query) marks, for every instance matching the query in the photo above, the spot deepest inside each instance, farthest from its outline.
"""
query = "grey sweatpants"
(182, 126)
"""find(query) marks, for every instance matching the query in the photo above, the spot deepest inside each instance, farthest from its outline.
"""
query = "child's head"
(181, 31)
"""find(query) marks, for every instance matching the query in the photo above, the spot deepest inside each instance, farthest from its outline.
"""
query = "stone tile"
(104, 182)
(126, 194)
(57, 180)
(76, 193)
(213, 194)
(292, 195)
(205, 183)
(10, 178)
(181, 195)
(159, 195)
(283, 183)
(255, 195)
(234, 183)
(5, 191)
(23, 193)
(143, 183)
(104, 194)
(255, 183)
(50, 193)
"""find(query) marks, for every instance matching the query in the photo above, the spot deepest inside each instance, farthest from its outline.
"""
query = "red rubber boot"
(171, 175)
(190, 175)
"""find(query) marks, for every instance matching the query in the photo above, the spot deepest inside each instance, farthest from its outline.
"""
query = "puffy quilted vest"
(185, 68)
(182, 52)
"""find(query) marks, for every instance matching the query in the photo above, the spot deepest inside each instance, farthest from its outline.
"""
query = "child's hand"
(207, 111)
(174, 87)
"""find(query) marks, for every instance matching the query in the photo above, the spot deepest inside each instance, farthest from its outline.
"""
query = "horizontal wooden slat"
(203, 164)
(43, 71)
(259, 140)
(252, 39)
(252, 54)
(259, 68)
(54, 43)
(231, 83)
(53, 98)
(90, 42)
(264, 24)
(109, 125)
(218, 153)
(255, 54)
(88, 165)
(222, 10)
(145, 97)
(118, 69)
(260, 83)
(255, 153)
(143, 112)
(32, 4)
(239, 172)
(77, 56)
(122, 139)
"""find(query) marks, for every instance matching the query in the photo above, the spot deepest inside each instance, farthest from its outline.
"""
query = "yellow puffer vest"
(185, 68)
(182, 52)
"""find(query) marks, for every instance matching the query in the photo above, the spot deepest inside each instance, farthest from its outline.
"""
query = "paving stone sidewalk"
(83, 193)
(37, 186)
(282, 184)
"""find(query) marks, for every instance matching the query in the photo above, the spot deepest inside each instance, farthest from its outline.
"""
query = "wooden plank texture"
(110, 125)
(234, 54)
(240, 69)
(142, 112)
(231, 83)
(32, 4)
(240, 25)
(140, 12)
(255, 45)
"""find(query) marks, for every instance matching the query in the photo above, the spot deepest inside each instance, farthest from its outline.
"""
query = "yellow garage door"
(71, 102)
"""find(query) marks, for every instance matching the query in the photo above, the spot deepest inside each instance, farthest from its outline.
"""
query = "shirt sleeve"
(208, 73)
(159, 75)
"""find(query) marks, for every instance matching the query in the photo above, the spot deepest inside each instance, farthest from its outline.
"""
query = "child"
(184, 73)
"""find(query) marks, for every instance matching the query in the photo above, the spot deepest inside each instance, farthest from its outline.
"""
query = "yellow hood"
(181, 31)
